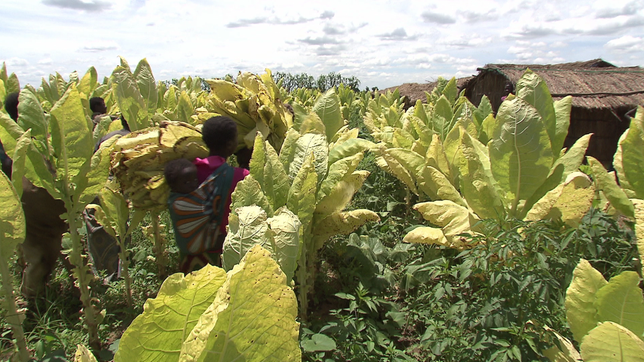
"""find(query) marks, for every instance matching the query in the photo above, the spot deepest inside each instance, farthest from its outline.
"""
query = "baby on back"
(181, 176)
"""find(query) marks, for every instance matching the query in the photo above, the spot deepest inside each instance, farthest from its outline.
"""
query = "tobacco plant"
(246, 314)
(522, 172)
(313, 175)
(113, 213)
(62, 143)
(12, 231)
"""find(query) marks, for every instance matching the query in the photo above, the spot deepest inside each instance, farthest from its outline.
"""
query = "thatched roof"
(593, 84)
(416, 91)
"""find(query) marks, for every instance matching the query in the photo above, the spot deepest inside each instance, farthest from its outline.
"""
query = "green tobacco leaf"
(3, 72)
(307, 144)
(247, 227)
(451, 90)
(12, 84)
(555, 354)
(170, 98)
(124, 63)
(533, 89)
(435, 185)
(184, 108)
(566, 164)
(285, 232)
(342, 193)
(252, 318)
(12, 218)
(413, 162)
(402, 139)
(437, 158)
(487, 129)
(83, 354)
(328, 108)
(476, 182)
(520, 151)
(348, 148)
(276, 182)
(427, 235)
(90, 186)
(71, 137)
(89, 82)
(613, 192)
(580, 299)
(157, 334)
(31, 115)
(36, 169)
(573, 158)
(621, 301)
(311, 123)
(562, 115)
(19, 157)
(116, 209)
(633, 154)
(440, 122)
(397, 169)
(612, 342)
(453, 219)
(483, 111)
(423, 132)
(302, 194)
(337, 171)
(619, 167)
(146, 84)
(129, 99)
(569, 201)
(249, 192)
(639, 228)
(342, 223)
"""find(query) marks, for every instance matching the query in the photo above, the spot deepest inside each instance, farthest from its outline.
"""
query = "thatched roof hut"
(416, 91)
(602, 95)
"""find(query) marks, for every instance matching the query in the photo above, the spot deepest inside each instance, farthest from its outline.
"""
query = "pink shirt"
(206, 166)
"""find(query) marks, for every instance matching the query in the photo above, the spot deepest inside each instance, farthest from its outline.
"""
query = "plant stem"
(302, 279)
(12, 313)
(125, 265)
(83, 275)
(159, 245)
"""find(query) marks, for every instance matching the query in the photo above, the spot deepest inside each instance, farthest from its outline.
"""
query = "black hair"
(11, 105)
(175, 173)
(97, 105)
(220, 135)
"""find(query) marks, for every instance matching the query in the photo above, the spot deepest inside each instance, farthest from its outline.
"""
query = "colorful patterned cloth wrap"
(196, 218)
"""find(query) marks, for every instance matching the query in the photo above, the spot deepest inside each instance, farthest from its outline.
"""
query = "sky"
(382, 43)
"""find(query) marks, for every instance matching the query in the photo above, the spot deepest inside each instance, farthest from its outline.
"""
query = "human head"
(97, 105)
(11, 105)
(181, 176)
(220, 135)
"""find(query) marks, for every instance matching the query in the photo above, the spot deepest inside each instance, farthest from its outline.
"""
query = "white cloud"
(17, 62)
(626, 43)
(409, 41)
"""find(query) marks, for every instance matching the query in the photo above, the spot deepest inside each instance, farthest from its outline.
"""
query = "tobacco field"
(364, 232)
